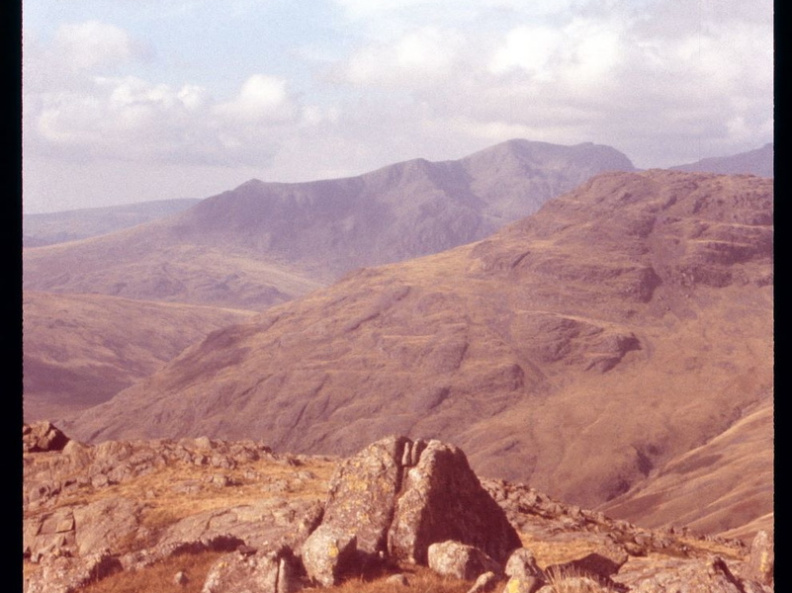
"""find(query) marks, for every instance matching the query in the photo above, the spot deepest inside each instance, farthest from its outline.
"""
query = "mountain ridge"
(314, 232)
(753, 162)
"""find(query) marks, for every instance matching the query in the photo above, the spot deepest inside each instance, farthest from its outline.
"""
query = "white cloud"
(92, 44)
(662, 80)
(614, 72)
(531, 48)
(421, 57)
(261, 98)
(129, 118)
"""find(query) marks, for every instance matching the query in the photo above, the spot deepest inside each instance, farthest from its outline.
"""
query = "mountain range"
(58, 227)
(614, 348)
(581, 349)
(266, 243)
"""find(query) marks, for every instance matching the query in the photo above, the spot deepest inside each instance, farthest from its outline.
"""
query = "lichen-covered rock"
(443, 500)
(363, 491)
(761, 561)
(458, 560)
(328, 553)
(271, 572)
(64, 574)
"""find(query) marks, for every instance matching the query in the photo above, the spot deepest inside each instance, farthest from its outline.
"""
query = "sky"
(135, 100)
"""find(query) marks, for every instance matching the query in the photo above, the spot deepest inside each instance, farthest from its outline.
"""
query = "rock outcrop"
(443, 500)
(281, 539)
(42, 436)
(399, 496)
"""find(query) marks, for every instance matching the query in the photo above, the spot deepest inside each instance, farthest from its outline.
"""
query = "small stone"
(484, 583)
(398, 579)
(522, 564)
(180, 578)
(454, 559)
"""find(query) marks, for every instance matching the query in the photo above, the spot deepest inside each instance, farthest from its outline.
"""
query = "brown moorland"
(79, 350)
(731, 477)
(625, 324)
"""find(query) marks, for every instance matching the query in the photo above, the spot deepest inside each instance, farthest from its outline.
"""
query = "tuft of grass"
(572, 581)
(160, 577)
(548, 553)
(420, 580)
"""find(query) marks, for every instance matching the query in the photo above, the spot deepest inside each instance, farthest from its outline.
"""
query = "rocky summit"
(226, 517)
(585, 349)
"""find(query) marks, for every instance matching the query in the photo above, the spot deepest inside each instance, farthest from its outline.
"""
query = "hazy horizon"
(128, 102)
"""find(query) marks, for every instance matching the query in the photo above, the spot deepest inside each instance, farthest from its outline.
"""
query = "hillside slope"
(79, 350)
(724, 483)
(624, 324)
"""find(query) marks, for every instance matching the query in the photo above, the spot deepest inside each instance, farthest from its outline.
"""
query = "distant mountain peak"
(753, 162)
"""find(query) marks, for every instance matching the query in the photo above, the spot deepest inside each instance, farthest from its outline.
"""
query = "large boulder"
(441, 500)
(460, 561)
(363, 491)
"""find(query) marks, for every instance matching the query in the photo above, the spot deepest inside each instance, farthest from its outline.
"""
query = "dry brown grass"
(548, 553)
(419, 578)
(712, 547)
(159, 578)
(572, 581)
